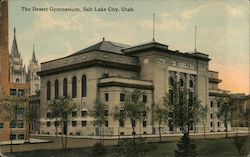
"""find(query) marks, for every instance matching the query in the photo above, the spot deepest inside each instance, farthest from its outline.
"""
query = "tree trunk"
(226, 129)
(133, 132)
(62, 140)
(140, 128)
(118, 134)
(160, 132)
(56, 126)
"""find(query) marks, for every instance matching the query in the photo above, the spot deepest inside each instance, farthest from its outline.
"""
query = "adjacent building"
(107, 69)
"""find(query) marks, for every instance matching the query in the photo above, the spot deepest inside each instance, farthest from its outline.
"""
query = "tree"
(55, 108)
(226, 104)
(160, 115)
(13, 112)
(100, 114)
(61, 109)
(184, 109)
(119, 116)
(186, 147)
(134, 107)
(184, 112)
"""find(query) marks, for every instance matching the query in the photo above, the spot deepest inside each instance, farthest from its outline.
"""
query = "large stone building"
(107, 69)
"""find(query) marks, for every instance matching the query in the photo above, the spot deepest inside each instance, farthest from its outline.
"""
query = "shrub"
(186, 147)
(240, 144)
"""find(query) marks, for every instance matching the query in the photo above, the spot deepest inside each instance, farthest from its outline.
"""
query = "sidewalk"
(208, 134)
(31, 141)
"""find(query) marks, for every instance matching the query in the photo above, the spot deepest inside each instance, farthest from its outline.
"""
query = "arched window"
(74, 87)
(56, 89)
(181, 82)
(48, 90)
(171, 81)
(17, 80)
(191, 84)
(65, 87)
(84, 86)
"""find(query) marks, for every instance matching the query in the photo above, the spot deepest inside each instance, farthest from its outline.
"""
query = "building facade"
(107, 69)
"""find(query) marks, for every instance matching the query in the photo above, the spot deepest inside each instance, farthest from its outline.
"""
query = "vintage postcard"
(124, 78)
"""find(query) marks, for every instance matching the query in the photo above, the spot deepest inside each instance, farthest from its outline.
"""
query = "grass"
(205, 148)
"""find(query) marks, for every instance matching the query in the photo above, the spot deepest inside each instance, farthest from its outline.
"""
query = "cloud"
(188, 14)
(235, 11)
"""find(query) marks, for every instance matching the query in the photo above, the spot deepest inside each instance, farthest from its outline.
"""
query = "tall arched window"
(56, 89)
(65, 87)
(181, 82)
(191, 84)
(171, 81)
(84, 86)
(74, 87)
(171, 97)
(48, 90)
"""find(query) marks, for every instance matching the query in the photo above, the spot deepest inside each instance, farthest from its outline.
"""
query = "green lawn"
(205, 148)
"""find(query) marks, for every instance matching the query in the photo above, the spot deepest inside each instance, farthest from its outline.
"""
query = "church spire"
(33, 59)
(14, 49)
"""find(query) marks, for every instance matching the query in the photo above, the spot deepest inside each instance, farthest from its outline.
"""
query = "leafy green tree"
(119, 116)
(55, 108)
(225, 110)
(13, 112)
(184, 109)
(61, 109)
(160, 115)
(134, 106)
(184, 112)
(186, 147)
(100, 114)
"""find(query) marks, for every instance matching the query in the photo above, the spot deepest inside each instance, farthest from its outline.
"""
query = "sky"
(222, 30)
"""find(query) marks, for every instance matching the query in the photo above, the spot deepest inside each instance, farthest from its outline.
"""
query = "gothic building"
(18, 72)
(107, 69)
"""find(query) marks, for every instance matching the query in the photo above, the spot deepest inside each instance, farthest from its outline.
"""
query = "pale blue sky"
(223, 30)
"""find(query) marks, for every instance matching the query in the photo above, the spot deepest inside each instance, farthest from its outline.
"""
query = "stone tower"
(17, 69)
(32, 76)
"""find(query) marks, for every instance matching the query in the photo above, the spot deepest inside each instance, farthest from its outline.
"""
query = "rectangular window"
(211, 103)
(13, 125)
(13, 136)
(20, 125)
(218, 104)
(211, 116)
(106, 112)
(84, 123)
(106, 96)
(122, 97)
(1, 125)
(144, 114)
(133, 123)
(13, 92)
(74, 113)
(211, 124)
(56, 123)
(144, 123)
(121, 123)
(20, 92)
(218, 124)
(48, 124)
(74, 123)
(84, 113)
(48, 115)
(144, 98)
(21, 137)
(106, 123)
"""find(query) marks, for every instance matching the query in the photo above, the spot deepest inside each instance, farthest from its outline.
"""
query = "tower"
(32, 77)
(17, 69)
